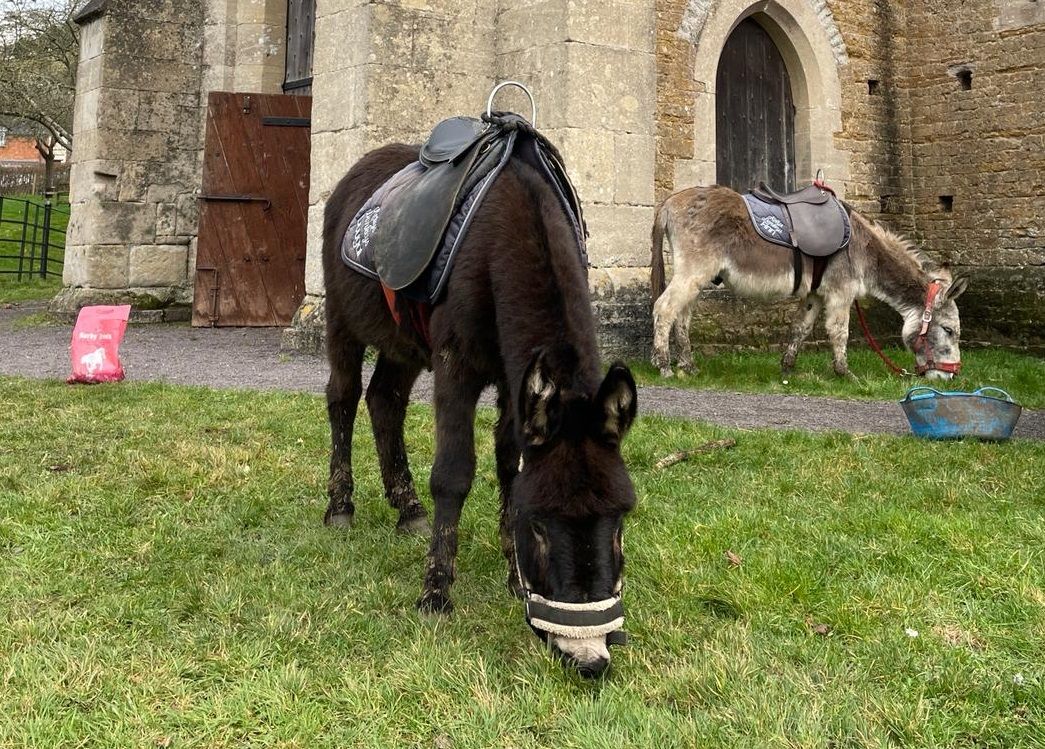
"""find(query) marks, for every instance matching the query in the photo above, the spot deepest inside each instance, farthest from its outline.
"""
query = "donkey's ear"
(617, 403)
(957, 288)
(540, 401)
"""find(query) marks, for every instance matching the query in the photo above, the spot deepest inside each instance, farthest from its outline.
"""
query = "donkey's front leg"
(801, 330)
(508, 456)
(837, 322)
(450, 482)
(343, 391)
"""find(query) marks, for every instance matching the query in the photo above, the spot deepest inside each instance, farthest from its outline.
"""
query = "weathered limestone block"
(144, 37)
(343, 104)
(620, 301)
(624, 24)
(307, 331)
(589, 156)
(99, 266)
(187, 214)
(144, 74)
(542, 70)
(634, 156)
(620, 235)
(526, 26)
(166, 219)
(153, 304)
(157, 265)
(332, 155)
(610, 88)
(314, 284)
(397, 97)
(351, 28)
(110, 223)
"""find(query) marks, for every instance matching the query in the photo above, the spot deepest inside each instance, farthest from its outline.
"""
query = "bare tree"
(39, 49)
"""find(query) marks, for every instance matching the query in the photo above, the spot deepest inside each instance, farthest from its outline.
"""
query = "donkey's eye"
(948, 331)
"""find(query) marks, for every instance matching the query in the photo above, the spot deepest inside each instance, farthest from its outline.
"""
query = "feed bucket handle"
(916, 388)
(996, 390)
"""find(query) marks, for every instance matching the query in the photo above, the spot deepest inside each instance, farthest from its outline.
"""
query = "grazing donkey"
(712, 239)
(515, 314)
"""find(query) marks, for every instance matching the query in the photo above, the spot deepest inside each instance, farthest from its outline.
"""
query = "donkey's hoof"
(417, 525)
(434, 602)
(338, 519)
(667, 372)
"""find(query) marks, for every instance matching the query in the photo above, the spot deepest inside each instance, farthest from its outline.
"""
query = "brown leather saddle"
(817, 223)
(811, 221)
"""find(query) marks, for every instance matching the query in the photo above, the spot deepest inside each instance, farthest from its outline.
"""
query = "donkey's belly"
(769, 287)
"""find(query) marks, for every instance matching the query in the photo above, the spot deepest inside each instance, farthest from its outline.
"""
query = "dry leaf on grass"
(681, 455)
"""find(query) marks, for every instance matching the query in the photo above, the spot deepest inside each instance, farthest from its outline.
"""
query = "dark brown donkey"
(516, 314)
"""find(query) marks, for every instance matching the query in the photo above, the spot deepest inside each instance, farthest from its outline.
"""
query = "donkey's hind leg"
(674, 309)
(800, 331)
(683, 344)
(666, 312)
(343, 391)
(386, 399)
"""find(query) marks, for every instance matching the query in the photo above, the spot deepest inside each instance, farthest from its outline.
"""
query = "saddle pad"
(358, 247)
(774, 224)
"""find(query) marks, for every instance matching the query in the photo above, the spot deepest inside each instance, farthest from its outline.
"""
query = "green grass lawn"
(165, 581)
(1021, 375)
(34, 288)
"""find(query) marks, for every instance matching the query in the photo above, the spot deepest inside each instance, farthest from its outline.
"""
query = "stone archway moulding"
(813, 50)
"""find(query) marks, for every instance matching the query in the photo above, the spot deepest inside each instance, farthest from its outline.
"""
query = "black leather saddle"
(818, 225)
(407, 233)
(459, 152)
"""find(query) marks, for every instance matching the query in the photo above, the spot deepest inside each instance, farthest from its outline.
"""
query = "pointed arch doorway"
(754, 112)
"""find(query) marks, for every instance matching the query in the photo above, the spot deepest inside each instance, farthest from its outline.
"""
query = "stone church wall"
(977, 130)
(927, 117)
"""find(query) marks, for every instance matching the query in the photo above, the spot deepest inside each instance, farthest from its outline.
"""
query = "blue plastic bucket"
(956, 414)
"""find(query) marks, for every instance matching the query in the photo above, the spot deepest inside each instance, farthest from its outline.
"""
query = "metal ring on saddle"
(499, 86)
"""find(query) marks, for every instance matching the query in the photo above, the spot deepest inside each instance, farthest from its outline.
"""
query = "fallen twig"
(681, 455)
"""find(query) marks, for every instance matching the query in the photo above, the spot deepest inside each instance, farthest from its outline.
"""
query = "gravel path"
(251, 358)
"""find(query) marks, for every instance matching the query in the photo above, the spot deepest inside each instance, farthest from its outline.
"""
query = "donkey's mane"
(895, 242)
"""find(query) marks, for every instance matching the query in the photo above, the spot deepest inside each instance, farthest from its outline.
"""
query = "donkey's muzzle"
(577, 621)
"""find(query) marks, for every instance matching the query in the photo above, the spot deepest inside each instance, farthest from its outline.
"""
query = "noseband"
(577, 621)
(921, 343)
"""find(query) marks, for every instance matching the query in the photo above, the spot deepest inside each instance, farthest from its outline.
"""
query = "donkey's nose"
(593, 669)
(589, 656)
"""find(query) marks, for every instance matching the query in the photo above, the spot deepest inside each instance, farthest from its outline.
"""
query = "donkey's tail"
(660, 221)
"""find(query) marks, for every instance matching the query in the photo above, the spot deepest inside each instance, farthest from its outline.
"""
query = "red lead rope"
(874, 344)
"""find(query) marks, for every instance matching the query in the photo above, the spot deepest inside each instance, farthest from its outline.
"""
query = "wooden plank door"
(250, 259)
(755, 113)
